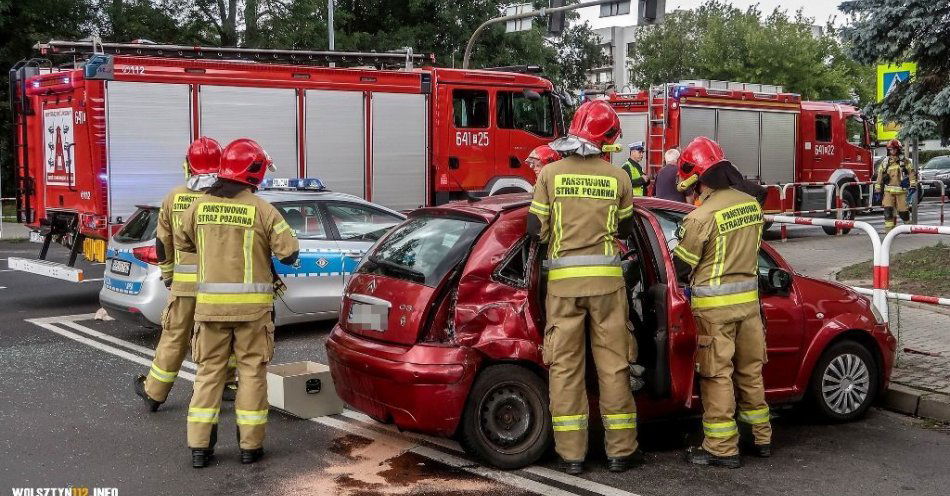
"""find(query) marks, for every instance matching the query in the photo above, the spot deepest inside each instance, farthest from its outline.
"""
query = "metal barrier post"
(787, 210)
(839, 198)
(879, 299)
(882, 270)
(943, 196)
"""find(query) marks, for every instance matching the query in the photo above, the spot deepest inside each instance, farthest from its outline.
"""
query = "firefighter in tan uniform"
(717, 260)
(234, 233)
(896, 176)
(179, 272)
(581, 204)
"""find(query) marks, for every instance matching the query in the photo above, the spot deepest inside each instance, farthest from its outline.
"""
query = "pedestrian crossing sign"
(888, 76)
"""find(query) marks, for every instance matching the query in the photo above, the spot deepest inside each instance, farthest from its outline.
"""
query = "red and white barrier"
(786, 208)
(882, 271)
(932, 300)
(839, 199)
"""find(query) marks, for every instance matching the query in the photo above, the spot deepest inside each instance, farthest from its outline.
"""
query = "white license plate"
(121, 267)
(368, 317)
(280, 182)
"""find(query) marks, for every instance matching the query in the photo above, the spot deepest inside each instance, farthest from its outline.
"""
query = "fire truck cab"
(770, 135)
(110, 131)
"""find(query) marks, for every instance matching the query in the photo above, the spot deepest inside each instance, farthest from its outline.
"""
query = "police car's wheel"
(506, 421)
(844, 382)
(847, 201)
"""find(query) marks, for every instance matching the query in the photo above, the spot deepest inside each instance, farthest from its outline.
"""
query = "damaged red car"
(441, 330)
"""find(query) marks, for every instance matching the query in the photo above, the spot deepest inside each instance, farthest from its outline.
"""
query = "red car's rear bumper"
(419, 388)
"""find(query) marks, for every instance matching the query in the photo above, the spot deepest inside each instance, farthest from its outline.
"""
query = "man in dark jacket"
(666, 180)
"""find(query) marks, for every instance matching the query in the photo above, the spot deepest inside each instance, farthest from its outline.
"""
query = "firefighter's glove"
(279, 287)
(636, 377)
(167, 281)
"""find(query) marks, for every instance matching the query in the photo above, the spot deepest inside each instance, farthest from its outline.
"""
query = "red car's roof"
(489, 207)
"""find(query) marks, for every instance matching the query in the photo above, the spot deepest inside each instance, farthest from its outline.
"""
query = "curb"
(917, 402)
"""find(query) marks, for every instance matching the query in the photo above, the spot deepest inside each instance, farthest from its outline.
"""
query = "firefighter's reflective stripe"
(725, 289)
(893, 189)
(719, 261)
(556, 224)
(623, 213)
(685, 255)
(203, 415)
(567, 423)
(538, 208)
(201, 248)
(232, 361)
(251, 417)
(724, 300)
(235, 298)
(721, 429)
(611, 227)
(281, 227)
(590, 271)
(186, 273)
(234, 287)
(162, 375)
(248, 255)
(759, 416)
(617, 421)
(582, 260)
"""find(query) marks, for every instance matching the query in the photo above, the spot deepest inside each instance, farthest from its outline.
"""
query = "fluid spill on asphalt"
(368, 467)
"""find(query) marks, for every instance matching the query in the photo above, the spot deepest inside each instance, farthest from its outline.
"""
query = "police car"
(334, 230)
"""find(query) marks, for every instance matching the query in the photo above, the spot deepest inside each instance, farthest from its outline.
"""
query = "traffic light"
(556, 20)
(651, 12)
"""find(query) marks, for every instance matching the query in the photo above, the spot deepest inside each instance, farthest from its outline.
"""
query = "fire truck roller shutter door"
(336, 139)
(266, 115)
(400, 155)
(696, 122)
(634, 128)
(737, 132)
(778, 147)
(148, 129)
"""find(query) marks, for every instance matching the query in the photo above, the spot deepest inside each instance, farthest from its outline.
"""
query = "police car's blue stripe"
(317, 264)
(122, 286)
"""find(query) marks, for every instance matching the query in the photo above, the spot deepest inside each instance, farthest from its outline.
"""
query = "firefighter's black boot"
(201, 457)
(573, 468)
(762, 450)
(251, 455)
(699, 456)
(140, 391)
(230, 391)
(622, 463)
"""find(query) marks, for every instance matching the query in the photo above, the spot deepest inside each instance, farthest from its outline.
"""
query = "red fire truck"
(771, 136)
(110, 132)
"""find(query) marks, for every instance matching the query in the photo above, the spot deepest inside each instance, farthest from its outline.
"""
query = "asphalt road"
(68, 417)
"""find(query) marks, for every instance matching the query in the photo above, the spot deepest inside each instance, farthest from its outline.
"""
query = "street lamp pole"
(330, 24)
(524, 15)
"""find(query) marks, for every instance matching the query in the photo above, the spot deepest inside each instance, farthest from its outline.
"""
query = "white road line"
(7, 270)
(3, 287)
(372, 430)
(91, 280)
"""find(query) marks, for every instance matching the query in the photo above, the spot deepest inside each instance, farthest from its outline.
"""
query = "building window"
(470, 108)
(614, 9)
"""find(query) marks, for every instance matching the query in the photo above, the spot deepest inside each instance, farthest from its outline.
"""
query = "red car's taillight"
(441, 328)
(146, 254)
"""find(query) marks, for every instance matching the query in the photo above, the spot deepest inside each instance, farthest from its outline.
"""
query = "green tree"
(895, 31)
(719, 41)
(127, 20)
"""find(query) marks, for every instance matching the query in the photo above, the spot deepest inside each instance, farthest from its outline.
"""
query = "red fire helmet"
(204, 156)
(544, 154)
(245, 161)
(895, 143)
(596, 122)
(699, 156)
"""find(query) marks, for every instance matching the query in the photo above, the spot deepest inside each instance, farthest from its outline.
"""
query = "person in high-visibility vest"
(895, 177)
(634, 169)
(716, 261)
(179, 272)
(234, 232)
(581, 205)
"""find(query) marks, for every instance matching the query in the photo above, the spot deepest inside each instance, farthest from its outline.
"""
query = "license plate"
(280, 182)
(121, 267)
(365, 317)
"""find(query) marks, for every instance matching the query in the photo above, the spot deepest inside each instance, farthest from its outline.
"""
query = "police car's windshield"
(423, 249)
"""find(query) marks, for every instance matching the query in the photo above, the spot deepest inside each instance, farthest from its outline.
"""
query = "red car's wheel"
(844, 382)
(506, 420)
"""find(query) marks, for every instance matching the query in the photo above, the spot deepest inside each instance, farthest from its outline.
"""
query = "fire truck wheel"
(506, 420)
(847, 201)
(844, 382)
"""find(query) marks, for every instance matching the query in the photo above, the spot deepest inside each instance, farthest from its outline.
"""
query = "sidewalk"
(920, 383)
(12, 230)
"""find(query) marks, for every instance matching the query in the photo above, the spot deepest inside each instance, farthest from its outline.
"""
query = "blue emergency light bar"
(298, 183)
